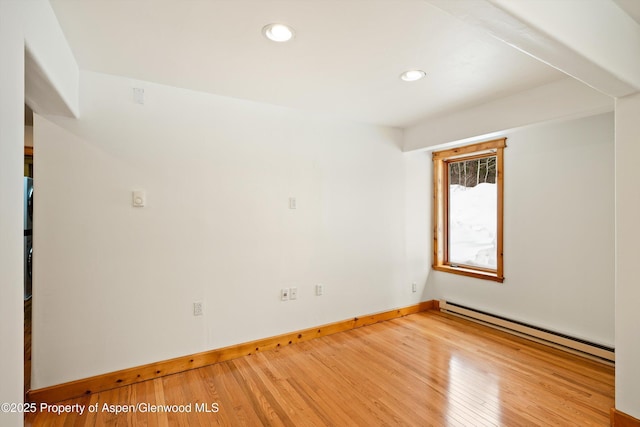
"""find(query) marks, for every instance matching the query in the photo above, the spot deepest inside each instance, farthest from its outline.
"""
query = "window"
(468, 189)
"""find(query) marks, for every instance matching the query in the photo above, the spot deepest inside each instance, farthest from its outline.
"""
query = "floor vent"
(534, 333)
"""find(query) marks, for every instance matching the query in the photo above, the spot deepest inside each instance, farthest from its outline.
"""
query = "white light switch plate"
(139, 199)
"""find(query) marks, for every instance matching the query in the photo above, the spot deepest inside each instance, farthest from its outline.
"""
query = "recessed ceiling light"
(278, 32)
(412, 75)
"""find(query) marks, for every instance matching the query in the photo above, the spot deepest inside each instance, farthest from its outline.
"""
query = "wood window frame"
(441, 207)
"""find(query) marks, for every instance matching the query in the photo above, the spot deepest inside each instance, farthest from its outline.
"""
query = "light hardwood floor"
(426, 369)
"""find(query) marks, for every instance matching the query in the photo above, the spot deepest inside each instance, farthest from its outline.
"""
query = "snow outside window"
(468, 185)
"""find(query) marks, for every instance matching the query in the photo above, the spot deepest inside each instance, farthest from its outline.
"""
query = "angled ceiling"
(345, 59)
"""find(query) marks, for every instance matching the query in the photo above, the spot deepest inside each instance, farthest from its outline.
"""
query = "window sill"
(478, 274)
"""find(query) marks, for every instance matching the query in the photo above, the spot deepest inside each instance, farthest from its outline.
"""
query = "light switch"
(139, 199)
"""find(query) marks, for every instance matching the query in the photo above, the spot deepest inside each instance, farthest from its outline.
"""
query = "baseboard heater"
(534, 333)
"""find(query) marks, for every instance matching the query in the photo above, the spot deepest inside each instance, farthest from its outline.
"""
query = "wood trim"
(478, 274)
(500, 211)
(438, 249)
(154, 370)
(467, 149)
(441, 159)
(620, 419)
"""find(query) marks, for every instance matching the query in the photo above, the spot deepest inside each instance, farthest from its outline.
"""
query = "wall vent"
(534, 333)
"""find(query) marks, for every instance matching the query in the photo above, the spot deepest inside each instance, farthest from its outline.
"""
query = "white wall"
(11, 207)
(114, 285)
(218, 174)
(558, 233)
(560, 100)
(33, 23)
(627, 153)
(418, 197)
(51, 72)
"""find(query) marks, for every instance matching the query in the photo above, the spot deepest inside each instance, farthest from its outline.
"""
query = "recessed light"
(412, 75)
(278, 32)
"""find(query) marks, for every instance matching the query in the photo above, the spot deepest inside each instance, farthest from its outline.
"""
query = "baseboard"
(620, 419)
(548, 337)
(108, 381)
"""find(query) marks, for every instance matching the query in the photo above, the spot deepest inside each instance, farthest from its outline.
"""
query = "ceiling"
(345, 59)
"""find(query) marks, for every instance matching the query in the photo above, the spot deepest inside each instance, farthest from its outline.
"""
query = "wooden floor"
(426, 369)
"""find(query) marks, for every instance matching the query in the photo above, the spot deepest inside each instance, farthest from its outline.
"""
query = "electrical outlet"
(197, 309)
(138, 95)
(293, 293)
(284, 294)
(319, 289)
(414, 287)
